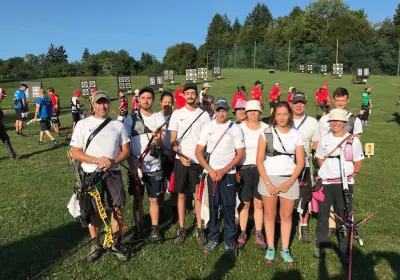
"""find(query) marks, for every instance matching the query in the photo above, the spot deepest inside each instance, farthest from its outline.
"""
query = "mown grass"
(37, 230)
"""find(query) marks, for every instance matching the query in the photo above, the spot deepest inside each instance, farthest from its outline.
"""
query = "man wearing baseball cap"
(256, 93)
(107, 149)
(274, 96)
(3, 133)
(308, 128)
(225, 144)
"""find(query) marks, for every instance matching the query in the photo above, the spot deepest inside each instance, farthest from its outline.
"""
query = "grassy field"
(37, 229)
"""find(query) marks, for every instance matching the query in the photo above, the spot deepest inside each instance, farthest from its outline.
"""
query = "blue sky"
(30, 26)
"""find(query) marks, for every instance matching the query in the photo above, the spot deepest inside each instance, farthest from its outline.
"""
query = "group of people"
(196, 147)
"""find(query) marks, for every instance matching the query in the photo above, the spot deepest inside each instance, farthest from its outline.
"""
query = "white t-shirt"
(106, 143)
(181, 119)
(324, 127)
(309, 130)
(330, 169)
(251, 141)
(282, 164)
(139, 142)
(226, 148)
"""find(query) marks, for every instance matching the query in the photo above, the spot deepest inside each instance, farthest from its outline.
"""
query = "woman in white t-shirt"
(279, 167)
(328, 157)
(252, 128)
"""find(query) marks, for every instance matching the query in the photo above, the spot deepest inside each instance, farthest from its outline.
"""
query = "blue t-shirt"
(46, 107)
(18, 96)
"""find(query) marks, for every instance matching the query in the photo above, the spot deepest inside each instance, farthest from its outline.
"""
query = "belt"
(336, 180)
(247, 166)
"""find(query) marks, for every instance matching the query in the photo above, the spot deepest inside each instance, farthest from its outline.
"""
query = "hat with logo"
(337, 115)
(221, 103)
(240, 104)
(299, 97)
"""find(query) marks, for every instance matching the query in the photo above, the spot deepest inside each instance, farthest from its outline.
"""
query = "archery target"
(366, 72)
(127, 79)
(124, 83)
(359, 72)
(168, 75)
(216, 70)
(152, 81)
(85, 92)
(121, 85)
(202, 73)
(121, 79)
(309, 67)
(191, 74)
(337, 68)
(324, 68)
(301, 68)
(159, 80)
(92, 84)
(84, 84)
(128, 85)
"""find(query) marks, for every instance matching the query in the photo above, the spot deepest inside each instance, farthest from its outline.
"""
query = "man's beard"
(190, 101)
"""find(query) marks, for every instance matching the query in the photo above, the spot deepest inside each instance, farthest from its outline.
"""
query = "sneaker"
(259, 237)
(136, 233)
(17, 156)
(319, 253)
(201, 237)
(181, 237)
(119, 252)
(209, 248)
(287, 258)
(54, 143)
(230, 252)
(305, 234)
(40, 143)
(270, 256)
(95, 253)
(156, 236)
(242, 240)
(344, 258)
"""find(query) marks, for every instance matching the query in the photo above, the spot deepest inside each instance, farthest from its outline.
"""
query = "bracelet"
(266, 184)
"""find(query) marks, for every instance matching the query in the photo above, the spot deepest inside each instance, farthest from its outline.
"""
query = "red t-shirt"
(322, 95)
(289, 97)
(124, 99)
(180, 101)
(238, 96)
(54, 101)
(273, 94)
(256, 94)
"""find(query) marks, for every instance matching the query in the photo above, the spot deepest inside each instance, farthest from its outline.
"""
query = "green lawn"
(37, 229)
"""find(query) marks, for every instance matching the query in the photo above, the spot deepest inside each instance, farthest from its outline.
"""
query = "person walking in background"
(135, 101)
(257, 94)
(274, 96)
(20, 106)
(292, 90)
(75, 108)
(366, 105)
(55, 100)
(44, 109)
(239, 95)
(322, 99)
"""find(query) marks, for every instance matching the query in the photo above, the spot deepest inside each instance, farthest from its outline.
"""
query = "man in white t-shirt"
(185, 126)
(108, 148)
(225, 145)
(308, 128)
(353, 126)
(146, 140)
(334, 180)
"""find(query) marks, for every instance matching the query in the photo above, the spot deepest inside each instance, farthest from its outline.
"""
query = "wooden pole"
(398, 62)
(337, 51)
(235, 55)
(255, 46)
(288, 60)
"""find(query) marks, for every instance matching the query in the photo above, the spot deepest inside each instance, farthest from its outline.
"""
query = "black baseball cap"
(24, 85)
(258, 82)
(190, 86)
(299, 97)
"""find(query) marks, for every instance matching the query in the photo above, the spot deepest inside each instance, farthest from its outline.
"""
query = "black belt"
(248, 166)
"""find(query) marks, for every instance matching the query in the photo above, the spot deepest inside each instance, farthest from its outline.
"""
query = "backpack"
(349, 126)
(270, 151)
(138, 127)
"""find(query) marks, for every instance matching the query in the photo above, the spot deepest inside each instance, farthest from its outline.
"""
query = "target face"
(127, 79)
(337, 68)
(191, 74)
(35, 91)
(85, 92)
(309, 67)
(121, 85)
(92, 84)
(84, 84)
(359, 72)
(123, 82)
(121, 79)
(202, 73)
(216, 70)
(324, 68)
(366, 72)
(301, 67)
(128, 85)
(168, 75)
(152, 81)
(159, 80)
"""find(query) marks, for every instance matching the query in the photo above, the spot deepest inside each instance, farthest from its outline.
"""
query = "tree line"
(261, 41)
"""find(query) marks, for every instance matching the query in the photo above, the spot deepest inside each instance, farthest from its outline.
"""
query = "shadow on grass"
(287, 275)
(30, 256)
(60, 145)
(396, 118)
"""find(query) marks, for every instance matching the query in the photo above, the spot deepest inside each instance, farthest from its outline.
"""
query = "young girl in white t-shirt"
(278, 176)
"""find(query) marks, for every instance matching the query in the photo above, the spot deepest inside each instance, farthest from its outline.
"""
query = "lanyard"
(302, 122)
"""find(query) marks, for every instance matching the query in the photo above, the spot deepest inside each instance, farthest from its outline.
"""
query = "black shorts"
(186, 178)
(167, 166)
(249, 179)
(75, 117)
(154, 183)
(54, 117)
(18, 115)
(44, 124)
(323, 107)
(114, 188)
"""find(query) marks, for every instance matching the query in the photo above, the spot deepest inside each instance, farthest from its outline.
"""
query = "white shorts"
(292, 193)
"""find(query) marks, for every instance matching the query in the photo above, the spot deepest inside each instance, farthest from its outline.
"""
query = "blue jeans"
(225, 194)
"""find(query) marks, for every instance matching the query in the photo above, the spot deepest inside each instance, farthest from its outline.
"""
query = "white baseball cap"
(206, 85)
(337, 115)
(253, 105)
(136, 91)
(290, 89)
